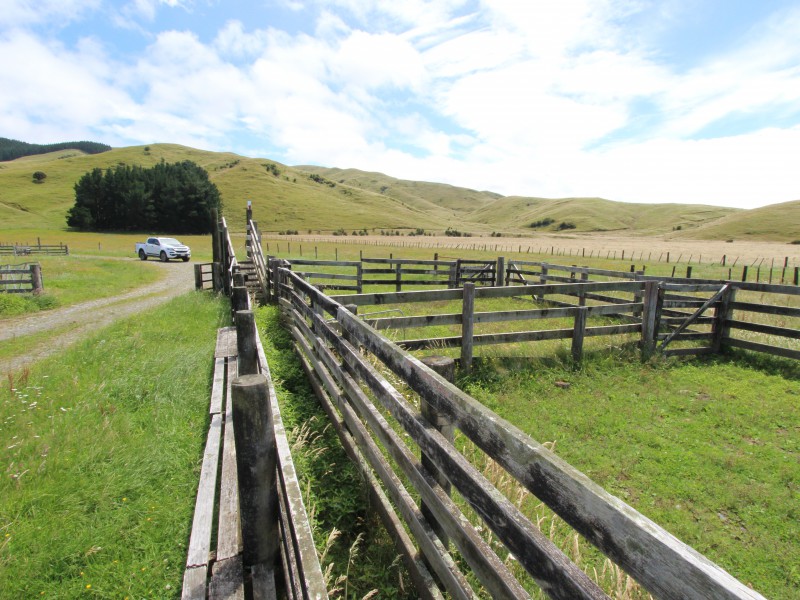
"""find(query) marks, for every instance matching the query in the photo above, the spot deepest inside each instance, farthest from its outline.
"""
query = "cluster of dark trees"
(169, 197)
(12, 149)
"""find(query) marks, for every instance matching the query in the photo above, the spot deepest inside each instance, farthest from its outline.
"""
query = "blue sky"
(689, 101)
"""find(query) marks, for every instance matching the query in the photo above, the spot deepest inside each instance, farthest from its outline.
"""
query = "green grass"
(94, 244)
(12, 305)
(71, 279)
(101, 453)
(707, 449)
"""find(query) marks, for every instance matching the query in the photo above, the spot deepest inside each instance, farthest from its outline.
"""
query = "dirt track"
(90, 316)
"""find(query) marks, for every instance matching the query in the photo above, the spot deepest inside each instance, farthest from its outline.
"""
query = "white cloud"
(742, 171)
(369, 61)
(56, 86)
(233, 40)
(28, 12)
(535, 98)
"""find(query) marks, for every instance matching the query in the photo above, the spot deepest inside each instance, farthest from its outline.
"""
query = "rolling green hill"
(597, 214)
(318, 199)
(776, 222)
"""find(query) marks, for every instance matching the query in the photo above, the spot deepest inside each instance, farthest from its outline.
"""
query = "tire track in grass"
(76, 321)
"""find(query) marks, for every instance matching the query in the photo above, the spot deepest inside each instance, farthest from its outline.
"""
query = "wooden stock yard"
(411, 459)
(345, 379)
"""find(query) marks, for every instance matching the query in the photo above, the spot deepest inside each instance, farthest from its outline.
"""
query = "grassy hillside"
(318, 199)
(597, 214)
(777, 222)
(438, 198)
(283, 198)
(488, 211)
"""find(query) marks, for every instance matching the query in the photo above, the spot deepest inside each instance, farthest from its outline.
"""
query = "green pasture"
(72, 279)
(708, 449)
(101, 455)
(120, 245)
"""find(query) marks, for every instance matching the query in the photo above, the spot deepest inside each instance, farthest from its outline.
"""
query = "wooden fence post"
(216, 255)
(721, 329)
(650, 318)
(36, 279)
(216, 276)
(246, 342)
(446, 367)
(240, 299)
(198, 276)
(582, 293)
(398, 278)
(501, 271)
(272, 269)
(578, 332)
(543, 279)
(638, 294)
(467, 326)
(226, 262)
(360, 278)
(744, 273)
(256, 462)
(455, 270)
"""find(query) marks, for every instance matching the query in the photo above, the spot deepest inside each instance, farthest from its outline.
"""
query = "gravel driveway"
(178, 279)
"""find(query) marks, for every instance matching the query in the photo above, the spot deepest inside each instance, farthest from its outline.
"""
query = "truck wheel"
(185, 259)
(163, 256)
(142, 255)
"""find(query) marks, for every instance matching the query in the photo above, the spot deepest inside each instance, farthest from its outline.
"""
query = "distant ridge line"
(13, 149)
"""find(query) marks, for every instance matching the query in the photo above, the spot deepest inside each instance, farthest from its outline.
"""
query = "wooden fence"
(675, 303)
(262, 541)
(723, 310)
(21, 279)
(467, 318)
(374, 420)
(38, 248)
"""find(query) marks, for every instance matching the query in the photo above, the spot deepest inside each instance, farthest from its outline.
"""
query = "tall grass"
(101, 448)
(358, 557)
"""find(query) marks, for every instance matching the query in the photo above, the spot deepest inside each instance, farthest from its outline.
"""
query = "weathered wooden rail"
(21, 279)
(374, 419)
(467, 318)
(722, 329)
(261, 545)
(676, 302)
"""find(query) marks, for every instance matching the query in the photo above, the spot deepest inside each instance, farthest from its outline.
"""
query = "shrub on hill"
(12, 149)
(541, 223)
(176, 197)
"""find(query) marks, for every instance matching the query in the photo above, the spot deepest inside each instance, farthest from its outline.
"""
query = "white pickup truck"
(163, 248)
